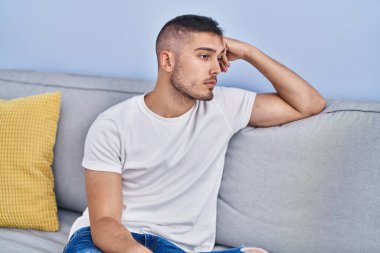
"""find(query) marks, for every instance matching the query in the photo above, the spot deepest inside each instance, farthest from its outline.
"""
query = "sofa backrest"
(307, 186)
(311, 185)
(83, 99)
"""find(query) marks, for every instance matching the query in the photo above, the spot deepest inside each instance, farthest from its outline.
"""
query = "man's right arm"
(105, 205)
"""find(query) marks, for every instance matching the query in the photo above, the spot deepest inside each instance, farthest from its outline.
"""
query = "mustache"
(212, 80)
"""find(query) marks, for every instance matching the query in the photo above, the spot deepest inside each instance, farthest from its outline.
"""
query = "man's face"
(196, 64)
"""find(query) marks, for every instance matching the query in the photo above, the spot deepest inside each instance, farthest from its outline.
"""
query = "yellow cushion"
(28, 129)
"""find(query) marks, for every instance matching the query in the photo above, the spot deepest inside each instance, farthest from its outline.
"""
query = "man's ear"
(167, 60)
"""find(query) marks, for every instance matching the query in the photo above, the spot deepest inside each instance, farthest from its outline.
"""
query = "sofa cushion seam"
(68, 87)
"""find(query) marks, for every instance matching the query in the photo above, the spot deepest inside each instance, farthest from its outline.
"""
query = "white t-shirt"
(171, 167)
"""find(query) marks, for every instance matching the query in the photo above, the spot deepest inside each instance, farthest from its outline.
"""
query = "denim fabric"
(81, 242)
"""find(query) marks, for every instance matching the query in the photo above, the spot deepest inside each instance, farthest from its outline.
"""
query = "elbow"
(321, 105)
(316, 106)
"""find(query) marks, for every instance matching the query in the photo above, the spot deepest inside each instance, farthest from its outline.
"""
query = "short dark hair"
(184, 24)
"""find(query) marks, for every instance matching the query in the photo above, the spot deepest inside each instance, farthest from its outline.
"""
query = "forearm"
(111, 236)
(292, 88)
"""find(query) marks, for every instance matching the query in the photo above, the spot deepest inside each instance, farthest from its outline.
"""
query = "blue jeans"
(81, 242)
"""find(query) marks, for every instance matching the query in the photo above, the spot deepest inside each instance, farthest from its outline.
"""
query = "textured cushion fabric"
(83, 99)
(28, 128)
(307, 186)
(33, 241)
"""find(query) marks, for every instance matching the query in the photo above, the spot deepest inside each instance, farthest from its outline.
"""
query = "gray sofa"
(311, 185)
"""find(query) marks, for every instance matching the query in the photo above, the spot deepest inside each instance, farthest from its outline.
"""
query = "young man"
(154, 162)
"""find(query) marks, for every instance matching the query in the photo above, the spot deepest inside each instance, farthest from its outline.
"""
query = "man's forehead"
(203, 39)
(206, 41)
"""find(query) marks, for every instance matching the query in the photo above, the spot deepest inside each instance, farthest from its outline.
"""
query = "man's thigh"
(81, 242)
(159, 244)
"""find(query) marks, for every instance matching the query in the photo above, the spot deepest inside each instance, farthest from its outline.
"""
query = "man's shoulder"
(121, 109)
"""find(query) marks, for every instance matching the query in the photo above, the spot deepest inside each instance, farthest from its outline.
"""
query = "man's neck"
(168, 102)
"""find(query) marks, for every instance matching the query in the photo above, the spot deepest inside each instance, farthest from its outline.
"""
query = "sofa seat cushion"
(33, 241)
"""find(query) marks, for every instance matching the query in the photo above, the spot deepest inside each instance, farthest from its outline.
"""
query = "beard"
(188, 88)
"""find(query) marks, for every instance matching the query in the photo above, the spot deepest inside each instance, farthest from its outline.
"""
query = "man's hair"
(179, 28)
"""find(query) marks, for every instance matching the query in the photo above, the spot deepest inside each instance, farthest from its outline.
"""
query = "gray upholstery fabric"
(83, 98)
(32, 241)
(307, 186)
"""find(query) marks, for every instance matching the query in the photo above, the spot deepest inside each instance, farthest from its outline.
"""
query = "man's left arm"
(295, 98)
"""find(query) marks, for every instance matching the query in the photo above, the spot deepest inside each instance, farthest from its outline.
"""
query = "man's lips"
(211, 83)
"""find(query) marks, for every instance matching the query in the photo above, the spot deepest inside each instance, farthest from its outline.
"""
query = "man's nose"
(215, 68)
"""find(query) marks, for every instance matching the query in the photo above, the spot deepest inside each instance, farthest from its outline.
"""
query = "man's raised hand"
(235, 50)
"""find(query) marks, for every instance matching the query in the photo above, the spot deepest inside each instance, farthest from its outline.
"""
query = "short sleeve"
(236, 104)
(102, 146)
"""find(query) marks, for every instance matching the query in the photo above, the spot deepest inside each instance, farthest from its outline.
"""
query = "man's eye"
(204, 56)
